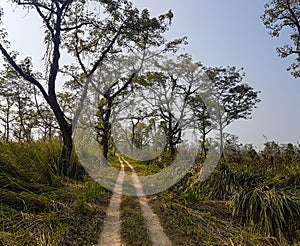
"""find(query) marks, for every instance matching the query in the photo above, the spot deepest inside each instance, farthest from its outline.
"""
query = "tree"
(47, 124)
(19, 111)
(7, 104)
(26, 117)
(202, 119)
(105, 109)
(134, 122)
(140, 138)
(161, 93)
(280, 14)
(232, 146)
(139, 130)
(271, 151)
(227, 99)
(90, 37)
(6, 117)
(168, 88)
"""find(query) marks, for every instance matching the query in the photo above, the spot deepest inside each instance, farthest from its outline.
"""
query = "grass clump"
(221, 185)
(270, 211)
(203, 223)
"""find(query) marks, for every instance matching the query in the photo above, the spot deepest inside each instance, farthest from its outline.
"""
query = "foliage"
(285, 14)
(202, 118)
(227, 98)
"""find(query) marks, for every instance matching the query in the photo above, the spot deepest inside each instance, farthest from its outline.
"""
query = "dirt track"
(111, 233)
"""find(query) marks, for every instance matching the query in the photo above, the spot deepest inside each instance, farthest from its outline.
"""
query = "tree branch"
(26, 76)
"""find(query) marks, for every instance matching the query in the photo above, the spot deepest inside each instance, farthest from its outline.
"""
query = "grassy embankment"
(37, 207)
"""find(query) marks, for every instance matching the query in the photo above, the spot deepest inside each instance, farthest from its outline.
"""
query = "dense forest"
(132, 114)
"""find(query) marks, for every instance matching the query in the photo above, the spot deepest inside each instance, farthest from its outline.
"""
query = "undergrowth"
(264, 199)
(37, 207)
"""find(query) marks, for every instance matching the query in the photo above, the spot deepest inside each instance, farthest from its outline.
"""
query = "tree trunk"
(172, 150)
(105, 142)
(132, 136)
(106, 128)
(221, 142)
(170, 135)
(7, 127)
(66, 132)
(65, 156)
(204, 150)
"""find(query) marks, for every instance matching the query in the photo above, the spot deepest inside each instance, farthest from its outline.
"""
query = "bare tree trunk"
(204, 150)
(221, 141)
(66, 132)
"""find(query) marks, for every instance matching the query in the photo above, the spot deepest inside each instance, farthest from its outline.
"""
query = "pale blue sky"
(220, 33)
(231, 33)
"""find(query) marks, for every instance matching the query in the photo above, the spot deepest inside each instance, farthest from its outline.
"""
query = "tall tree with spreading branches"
(227, 98)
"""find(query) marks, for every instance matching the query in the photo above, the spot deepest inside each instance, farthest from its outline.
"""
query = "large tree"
(285, 14)
(227, 98)
(168, 90)
(202, 119)
(90, 31)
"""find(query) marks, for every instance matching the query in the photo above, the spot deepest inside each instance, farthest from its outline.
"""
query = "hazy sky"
(220, 33)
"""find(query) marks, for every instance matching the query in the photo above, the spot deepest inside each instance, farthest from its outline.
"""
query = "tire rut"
(111, 233)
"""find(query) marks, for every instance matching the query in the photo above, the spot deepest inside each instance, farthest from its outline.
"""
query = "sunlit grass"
(37, 207)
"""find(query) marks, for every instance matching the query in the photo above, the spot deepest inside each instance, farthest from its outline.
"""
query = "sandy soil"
(111, 232)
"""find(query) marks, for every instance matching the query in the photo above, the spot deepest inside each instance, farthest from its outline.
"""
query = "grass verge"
(39, 208)
(207, 223)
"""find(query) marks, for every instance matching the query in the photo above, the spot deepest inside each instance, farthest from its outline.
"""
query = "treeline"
(121, 65)
(153, 108)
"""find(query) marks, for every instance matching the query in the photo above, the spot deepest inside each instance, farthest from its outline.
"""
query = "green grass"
(263, 198)
(246, 202)
(114, 160)
(203, 223)
(134, 230)
(37, 207)
(142, 168)
(271, 211)
(70, 214)
(222, 184)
